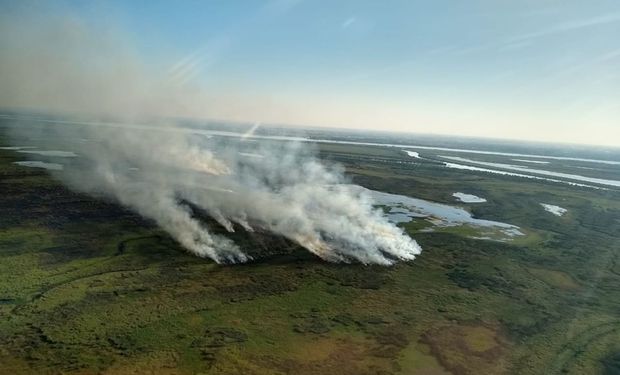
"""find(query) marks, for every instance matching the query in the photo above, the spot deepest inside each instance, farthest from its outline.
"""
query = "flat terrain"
(88, 287)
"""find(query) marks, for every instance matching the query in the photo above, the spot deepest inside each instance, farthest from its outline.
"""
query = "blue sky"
(528, 69)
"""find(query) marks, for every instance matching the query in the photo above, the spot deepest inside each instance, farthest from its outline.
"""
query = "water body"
(403, 209)
(505, 173)
(40, 164)
(517, 168)
(15, 148)
(468, 198)
(531, 161)
(413, 154)
(62, 154)
(556, 210)
(460, 150)
(251, 155)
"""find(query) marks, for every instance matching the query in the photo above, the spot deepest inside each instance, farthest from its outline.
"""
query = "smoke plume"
(166, 171)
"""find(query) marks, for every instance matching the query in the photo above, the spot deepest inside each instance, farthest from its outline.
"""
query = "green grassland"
(87, 287)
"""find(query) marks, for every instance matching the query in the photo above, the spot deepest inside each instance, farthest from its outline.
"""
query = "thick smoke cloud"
(166, 171)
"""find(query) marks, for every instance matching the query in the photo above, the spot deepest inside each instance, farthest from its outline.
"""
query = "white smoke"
(166, 172)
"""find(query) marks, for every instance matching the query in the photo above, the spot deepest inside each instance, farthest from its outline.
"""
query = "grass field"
(88, 287)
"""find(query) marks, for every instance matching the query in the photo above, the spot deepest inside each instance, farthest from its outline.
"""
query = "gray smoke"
(165, 171)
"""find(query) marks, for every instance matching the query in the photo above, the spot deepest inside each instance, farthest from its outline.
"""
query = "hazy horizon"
(425, 139)
(537, 71)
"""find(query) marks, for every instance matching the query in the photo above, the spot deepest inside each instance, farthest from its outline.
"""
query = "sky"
(545, 70)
